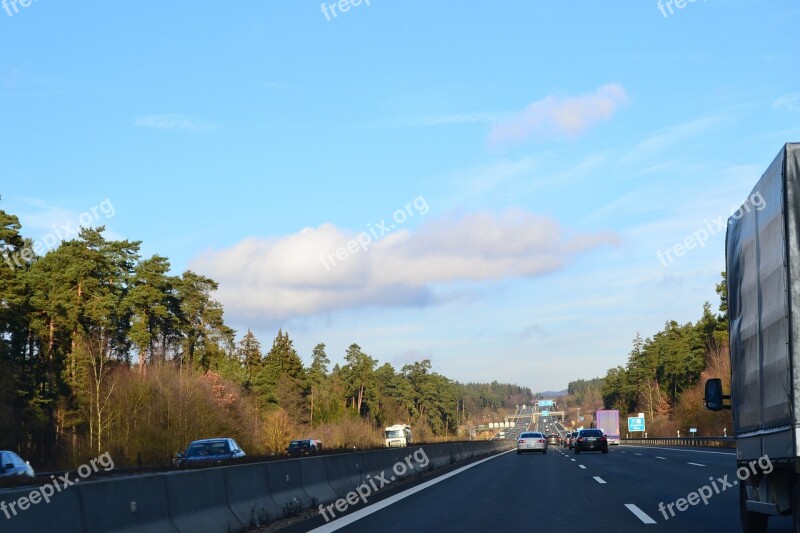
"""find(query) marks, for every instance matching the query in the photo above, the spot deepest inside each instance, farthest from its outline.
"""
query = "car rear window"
(591, 433)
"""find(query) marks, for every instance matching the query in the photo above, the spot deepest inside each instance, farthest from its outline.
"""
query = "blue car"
(12, 464)
(209, 451)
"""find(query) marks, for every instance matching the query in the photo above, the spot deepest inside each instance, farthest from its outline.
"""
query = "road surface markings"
(641, 515)
(695, 464)
(683, 450)
(659, 457)
(358, 515)
(599, 480)
(573, 460)
(637, 454)
(582, 466)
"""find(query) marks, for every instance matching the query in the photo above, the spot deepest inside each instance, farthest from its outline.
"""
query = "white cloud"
(273, 279)
(171, 121)
(555, 117)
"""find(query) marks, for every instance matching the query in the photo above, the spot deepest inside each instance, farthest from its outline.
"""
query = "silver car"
(12, 464)
(531, 441)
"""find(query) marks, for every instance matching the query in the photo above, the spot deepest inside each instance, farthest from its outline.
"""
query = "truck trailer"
(608, 421)
(762, 255)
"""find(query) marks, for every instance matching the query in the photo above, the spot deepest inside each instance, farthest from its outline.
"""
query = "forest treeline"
(664, 376)
(104, 350)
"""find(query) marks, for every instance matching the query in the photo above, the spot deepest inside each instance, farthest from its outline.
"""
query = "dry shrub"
(278, 432)
(158, 413)
(346, 433)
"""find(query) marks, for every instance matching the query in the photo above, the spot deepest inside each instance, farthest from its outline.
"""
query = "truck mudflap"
(769, 494)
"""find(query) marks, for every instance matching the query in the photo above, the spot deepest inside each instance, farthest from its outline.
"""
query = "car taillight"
(580, 439)
(522, 441)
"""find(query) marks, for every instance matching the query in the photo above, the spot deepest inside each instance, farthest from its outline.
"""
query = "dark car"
(12, 464)
(591, 440)
(301, 447)
(209, 451)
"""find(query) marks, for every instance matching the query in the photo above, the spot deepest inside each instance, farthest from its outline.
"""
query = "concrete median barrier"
(344, 472)
(136, 504)
(286, 486)
(442, 455)
(199, 503)
(376, 462)
(314, 473)
(62, 513)
(249, 495)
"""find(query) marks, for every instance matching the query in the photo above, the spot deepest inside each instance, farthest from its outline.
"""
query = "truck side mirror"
(713, 397)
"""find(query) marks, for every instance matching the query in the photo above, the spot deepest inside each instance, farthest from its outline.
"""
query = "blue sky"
(533, 159)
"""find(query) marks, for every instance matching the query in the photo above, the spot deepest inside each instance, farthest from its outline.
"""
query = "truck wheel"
(751, 522)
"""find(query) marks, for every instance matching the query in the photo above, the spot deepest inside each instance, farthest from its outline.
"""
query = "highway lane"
(619, 491)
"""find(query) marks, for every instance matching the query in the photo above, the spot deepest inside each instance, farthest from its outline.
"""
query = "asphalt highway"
(557, 491)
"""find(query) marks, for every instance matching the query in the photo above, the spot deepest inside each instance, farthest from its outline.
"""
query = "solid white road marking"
(358, 515)
(599, 480)
(641, 515)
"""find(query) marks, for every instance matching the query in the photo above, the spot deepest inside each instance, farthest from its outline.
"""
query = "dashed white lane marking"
(685, 450)
(695, 464)
(659, 457)
(599, 480)
(637, 454)
(573, 460)
(641, 515)
(581, 466)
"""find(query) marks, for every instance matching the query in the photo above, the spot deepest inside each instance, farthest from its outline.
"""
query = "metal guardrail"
(699, 442)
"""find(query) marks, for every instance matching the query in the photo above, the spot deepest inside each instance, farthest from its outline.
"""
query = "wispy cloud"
(171, 121)
(558, 117)
(654, 146)
(789, 102)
